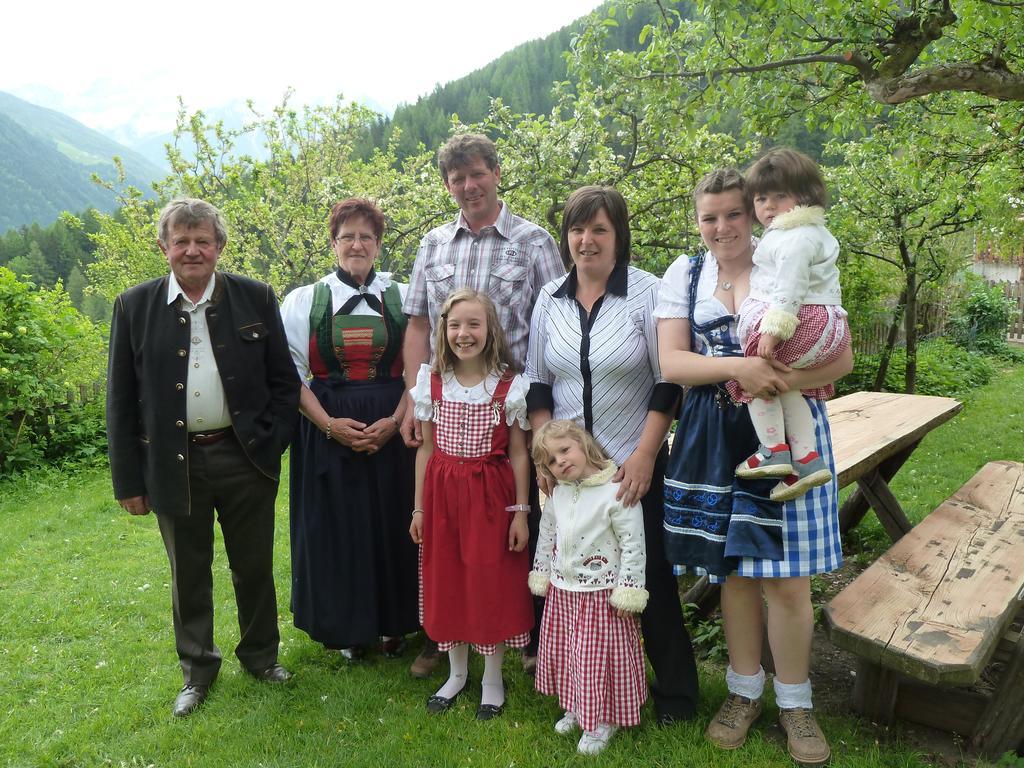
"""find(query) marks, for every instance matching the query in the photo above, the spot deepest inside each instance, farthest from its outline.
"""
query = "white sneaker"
(593, 742)
(567, 724)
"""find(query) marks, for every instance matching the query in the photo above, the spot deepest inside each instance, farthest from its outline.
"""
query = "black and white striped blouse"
(600, 370)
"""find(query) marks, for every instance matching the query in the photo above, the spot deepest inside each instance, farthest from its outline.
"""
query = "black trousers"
(221, 478)
(667, 643)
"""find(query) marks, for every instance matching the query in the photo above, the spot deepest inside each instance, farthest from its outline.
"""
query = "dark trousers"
(533, 522)
(666, 640)
(221, 478)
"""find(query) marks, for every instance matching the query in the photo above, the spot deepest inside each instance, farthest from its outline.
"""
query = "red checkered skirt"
(821, 337)
(591, 659)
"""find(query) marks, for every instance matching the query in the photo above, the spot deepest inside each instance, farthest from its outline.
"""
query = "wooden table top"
(869, 427)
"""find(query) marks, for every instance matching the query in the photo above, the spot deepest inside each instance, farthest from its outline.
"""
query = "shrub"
(943, 368)
(47, 350)
(980, 316)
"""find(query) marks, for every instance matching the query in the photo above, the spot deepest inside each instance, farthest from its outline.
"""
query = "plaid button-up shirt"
(509, 261)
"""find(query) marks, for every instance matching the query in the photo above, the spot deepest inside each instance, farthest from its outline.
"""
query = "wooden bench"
(929, 615)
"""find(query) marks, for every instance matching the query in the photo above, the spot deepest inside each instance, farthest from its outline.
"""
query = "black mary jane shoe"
(438, 704)
(489, 711)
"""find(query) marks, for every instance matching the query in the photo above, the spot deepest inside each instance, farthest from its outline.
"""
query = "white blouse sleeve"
(423, 408)
(674, 292)
(295, 317)
(515, 402)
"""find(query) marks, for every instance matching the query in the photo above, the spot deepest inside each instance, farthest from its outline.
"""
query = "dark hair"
(356, 207)
(718, 181)
(462, 149)
(583, 205)
(786, 170)
(191, 212)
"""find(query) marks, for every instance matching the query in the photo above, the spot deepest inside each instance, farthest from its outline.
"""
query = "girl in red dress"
(472, 498)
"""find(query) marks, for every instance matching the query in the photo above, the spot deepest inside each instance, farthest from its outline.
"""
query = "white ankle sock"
(792, 695)
(750, 686)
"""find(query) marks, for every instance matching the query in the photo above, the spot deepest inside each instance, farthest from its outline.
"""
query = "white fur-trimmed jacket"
(795, 264)
(589, 541)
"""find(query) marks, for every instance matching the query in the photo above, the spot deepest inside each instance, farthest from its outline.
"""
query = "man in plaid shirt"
(487, 248)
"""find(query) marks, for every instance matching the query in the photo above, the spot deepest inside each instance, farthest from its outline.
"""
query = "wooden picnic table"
(873, 435)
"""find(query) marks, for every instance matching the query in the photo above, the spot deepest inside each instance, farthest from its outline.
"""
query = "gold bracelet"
(329, 429)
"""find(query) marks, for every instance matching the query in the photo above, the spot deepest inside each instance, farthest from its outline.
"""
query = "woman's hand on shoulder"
(634, 477)
(759, 377)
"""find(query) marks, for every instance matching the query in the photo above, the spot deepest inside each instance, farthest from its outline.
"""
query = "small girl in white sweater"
(590, 565)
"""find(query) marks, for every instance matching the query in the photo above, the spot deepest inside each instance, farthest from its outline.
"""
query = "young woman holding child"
(728, 526)
(472, 498)
(589, 565)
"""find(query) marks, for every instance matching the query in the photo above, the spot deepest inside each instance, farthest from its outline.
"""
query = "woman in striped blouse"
(593, 359)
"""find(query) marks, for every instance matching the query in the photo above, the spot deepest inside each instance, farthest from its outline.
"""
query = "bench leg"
(874, 692)
(1001, 726)
(857, 505)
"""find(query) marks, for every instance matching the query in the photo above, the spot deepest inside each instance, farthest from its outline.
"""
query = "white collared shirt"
(296, 307)
(206, 407)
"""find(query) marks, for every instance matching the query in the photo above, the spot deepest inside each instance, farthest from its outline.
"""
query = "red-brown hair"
(356, 207)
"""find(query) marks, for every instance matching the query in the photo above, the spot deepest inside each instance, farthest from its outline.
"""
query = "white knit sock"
(750, 686)
(458, 659)
(492, 687)
(793, 695)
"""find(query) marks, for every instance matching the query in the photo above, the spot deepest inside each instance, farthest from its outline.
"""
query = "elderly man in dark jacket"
(202, 396)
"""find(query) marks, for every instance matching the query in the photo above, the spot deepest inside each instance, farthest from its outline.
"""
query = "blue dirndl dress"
(718, 524)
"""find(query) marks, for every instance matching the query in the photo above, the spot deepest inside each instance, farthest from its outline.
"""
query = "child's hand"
(416, 528)
(518, 533)
(766, 346)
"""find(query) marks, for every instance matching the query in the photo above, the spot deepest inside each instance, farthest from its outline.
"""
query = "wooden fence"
(1015, 293)
(932, 319)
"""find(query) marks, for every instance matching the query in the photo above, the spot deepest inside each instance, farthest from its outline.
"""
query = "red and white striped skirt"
(591, 659)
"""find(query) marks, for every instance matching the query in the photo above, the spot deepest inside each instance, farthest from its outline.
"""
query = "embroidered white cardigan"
(795, 264)
(589, 541)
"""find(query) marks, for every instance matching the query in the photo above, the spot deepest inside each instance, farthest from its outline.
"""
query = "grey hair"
(191, 212)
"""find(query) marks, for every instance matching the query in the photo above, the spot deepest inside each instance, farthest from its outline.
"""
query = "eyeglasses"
(350, 239)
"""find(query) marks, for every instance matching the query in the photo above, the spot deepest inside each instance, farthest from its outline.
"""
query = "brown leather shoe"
(275, 673)
(729, 727)
(804, 739)
(188, 700)
(425, 664)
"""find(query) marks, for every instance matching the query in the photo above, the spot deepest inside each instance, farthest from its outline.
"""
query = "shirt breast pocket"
(505, 284)
(253, 332)
(440, 281)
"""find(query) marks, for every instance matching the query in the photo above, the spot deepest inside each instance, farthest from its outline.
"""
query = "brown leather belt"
(209, 438)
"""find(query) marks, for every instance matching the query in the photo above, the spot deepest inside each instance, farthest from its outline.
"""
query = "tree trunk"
(890, 343)
(910, 331)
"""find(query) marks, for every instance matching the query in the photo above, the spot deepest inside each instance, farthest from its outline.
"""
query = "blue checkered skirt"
(718, 524)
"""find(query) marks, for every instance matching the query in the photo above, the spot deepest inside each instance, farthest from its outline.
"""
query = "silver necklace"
(726, 286)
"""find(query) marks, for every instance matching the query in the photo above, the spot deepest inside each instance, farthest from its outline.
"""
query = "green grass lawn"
(89, 670)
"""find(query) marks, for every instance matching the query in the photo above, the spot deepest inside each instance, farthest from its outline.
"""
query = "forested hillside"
(47, 160)
(522, 78)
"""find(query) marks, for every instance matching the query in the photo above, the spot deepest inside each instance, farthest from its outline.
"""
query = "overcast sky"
(117, 63)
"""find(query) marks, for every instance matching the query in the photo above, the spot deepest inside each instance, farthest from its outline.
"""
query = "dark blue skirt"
(354, 572)
(713, 518)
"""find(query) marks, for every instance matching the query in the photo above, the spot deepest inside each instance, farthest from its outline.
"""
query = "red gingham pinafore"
(474, 588)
